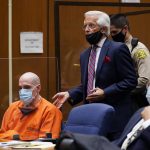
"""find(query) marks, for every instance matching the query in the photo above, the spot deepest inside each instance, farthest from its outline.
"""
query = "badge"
(140, 54)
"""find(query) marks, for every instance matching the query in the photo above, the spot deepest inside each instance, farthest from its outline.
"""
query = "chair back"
(95, 118)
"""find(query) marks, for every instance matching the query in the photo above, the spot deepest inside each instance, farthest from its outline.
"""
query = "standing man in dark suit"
(107, 72)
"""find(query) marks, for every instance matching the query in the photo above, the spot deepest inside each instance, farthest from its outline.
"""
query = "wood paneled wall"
(3, 55)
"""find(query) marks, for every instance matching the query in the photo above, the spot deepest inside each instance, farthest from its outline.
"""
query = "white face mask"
(148, 94)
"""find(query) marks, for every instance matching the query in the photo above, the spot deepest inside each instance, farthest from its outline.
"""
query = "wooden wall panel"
(51, 44)
(4, 101)
(3, 57)
(139, 23)
(3, 29)
(145, 1)
(30, 15)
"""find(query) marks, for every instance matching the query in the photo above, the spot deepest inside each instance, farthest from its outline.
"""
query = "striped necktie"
(91, 69)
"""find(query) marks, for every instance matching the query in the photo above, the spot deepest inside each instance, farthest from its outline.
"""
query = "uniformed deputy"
(120, 32)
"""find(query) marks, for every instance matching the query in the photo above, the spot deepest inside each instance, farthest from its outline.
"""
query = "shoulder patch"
(140, 54)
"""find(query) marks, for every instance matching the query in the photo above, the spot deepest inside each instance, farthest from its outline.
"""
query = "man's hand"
(96, 95)
(60, 98)
(146, 113)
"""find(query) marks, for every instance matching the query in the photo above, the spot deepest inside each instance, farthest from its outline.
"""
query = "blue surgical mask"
(26, 96)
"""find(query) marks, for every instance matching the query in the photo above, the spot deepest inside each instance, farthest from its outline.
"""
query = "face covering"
(26, 96)
(120, 37)
(94, 38)
(148, 94)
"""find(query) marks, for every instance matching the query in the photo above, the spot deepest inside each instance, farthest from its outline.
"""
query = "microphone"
(16, 137)
(48, 135)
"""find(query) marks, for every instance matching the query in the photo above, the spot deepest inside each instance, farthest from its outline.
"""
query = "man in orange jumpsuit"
(32, 116)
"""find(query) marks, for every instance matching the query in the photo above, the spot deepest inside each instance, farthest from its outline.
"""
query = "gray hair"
(103, 19)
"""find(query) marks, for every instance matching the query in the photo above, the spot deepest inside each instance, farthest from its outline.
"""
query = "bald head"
(31, 78)
(29, 82)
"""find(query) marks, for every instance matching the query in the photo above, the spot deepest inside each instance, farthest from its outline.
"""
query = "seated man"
(32, 116)
(136, 135)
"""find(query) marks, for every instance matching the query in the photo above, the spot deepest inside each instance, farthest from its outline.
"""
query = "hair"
(35, 80)
(119, 20)
(103, 19)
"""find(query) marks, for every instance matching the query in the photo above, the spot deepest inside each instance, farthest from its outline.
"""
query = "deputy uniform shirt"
(141, 58)
(45, 118)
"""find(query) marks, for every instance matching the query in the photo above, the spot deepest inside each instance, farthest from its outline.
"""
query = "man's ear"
(126, 28)
(104, 29)
(39, 87)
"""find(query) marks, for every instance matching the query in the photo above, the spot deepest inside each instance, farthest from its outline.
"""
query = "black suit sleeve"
(76, 95)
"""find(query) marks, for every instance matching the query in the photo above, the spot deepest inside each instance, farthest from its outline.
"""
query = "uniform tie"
(91, 69)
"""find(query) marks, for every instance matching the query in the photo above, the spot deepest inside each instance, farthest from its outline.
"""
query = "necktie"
(91, 69)
(134, 134)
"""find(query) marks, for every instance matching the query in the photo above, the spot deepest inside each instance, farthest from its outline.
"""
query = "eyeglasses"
(90, 26)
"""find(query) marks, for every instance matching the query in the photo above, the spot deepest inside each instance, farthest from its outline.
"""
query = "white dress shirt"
(98, 50)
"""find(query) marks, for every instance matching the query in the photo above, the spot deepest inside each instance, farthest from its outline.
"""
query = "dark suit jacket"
(142, 142)
(115, 75)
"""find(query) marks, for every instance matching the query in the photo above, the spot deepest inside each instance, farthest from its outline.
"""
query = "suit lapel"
(102, 55)
(85, 63)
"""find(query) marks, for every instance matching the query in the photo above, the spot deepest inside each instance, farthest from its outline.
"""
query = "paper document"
(34, 145)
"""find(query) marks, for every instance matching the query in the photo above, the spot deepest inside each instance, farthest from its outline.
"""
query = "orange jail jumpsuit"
(45, 118)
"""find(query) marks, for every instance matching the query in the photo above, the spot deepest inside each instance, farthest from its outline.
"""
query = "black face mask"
(94, 38)
(120, 37)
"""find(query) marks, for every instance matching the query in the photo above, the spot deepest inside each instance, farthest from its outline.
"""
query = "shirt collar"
(128, 41)
(101, 42)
